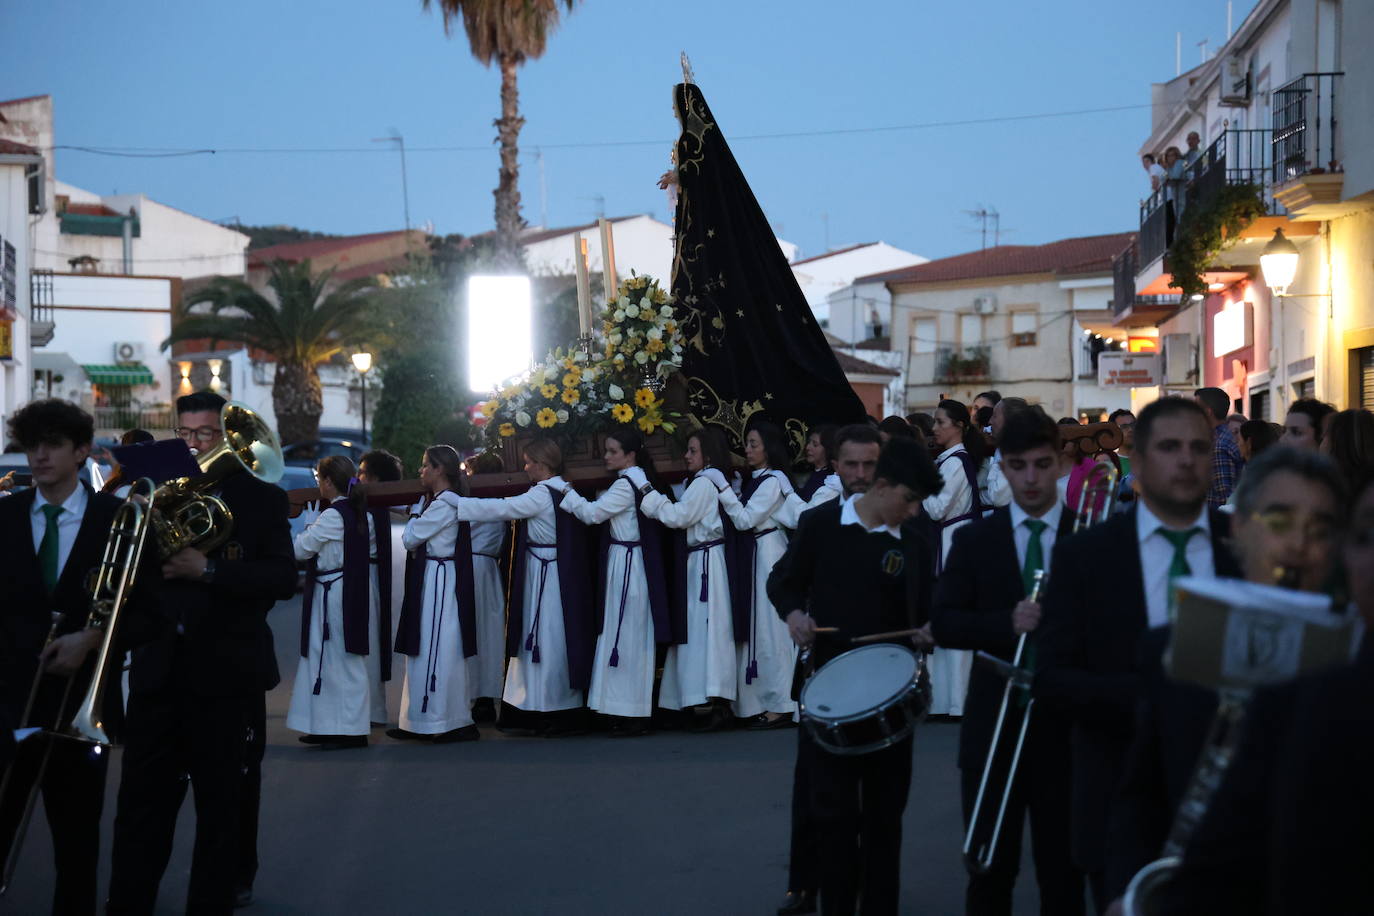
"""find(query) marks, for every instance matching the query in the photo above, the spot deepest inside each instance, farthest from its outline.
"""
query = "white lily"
(642, 357)
(616, 392)
(522, 419)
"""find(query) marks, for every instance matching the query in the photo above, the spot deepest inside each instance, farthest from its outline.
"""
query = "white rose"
(623, 301)
(615, 338)
(642, 357)
(619, 315)
(580, 356)
(562, 416)
(522, 419)
(646, 304)
(632, 310)
(654, 334)
(617, 393)
(589, 374)
(666, 311)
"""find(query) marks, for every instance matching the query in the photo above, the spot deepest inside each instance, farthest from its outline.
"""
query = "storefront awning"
(126, 374)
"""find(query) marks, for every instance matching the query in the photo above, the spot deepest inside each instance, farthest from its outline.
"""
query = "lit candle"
(584, 290)
(608, 277)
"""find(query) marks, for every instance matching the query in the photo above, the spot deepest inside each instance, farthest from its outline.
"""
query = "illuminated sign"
(1128, 370)
(1232, 328)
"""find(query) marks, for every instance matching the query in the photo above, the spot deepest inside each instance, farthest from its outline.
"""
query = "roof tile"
(1088, 254)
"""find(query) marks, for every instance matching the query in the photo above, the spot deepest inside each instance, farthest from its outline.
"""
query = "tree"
(509, 32)
(307, 325)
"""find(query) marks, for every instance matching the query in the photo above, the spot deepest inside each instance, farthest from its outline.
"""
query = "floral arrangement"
(571, 395)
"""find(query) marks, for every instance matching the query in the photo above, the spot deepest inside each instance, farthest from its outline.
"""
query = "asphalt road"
(673, 823)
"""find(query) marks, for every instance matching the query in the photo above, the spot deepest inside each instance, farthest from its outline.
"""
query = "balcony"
(41, 323)
(970, 364)
(154, 419)
(1129, 308)
(1308, 175)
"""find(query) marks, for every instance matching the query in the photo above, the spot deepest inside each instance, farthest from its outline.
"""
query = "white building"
(105, 277)
(20, 195)
(1026, 320)
(826, 278)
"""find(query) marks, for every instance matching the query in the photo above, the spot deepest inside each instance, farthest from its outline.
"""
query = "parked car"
(91, 472)
(343, 432)
(308, 454)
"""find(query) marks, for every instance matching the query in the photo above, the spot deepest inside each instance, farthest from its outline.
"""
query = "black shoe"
(797, 902)
(484, 709)
(466, 733)
(243, 896)
(313, 739)
(762, 723)
(400, 734)
(340, 742)
(718, 719)
(631, 728)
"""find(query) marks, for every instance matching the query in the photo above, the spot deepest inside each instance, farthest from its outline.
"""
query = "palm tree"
(306, 326)
(509, 32)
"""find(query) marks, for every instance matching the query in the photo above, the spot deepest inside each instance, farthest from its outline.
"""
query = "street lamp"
(363, 362)
(1279, 263)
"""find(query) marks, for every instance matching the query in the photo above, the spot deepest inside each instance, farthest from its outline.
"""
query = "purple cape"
(408, 627)
(381, 523)
(355, 581)
(742, 546)
(651, 546)
(813, 483)
(574, 575)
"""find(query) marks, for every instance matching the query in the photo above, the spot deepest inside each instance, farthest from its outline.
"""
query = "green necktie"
(1035, 554)
(47, 548)
(1178, 566)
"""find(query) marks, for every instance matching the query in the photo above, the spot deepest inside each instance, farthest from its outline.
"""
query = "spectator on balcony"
(1194, 151)
(1175, 179)
(1226, 461)
(1153, 170)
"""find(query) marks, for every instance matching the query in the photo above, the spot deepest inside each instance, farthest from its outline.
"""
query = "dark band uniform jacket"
(25, 613)
(1288, 832)
(1090, 660)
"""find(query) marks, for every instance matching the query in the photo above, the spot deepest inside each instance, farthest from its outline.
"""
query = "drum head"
(859, 681)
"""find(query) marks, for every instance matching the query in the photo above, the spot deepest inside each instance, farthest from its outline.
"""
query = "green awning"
(127, 374)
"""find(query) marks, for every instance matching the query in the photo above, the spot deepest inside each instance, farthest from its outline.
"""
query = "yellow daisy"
(548, 391)
(622, 413)
(572, 379)
(571, 396)
(490, 407)
(546, 418)
(506, 429)
(644, 397)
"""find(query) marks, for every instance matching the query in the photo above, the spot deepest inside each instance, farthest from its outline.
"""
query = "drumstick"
(881, 637)
(826, 630)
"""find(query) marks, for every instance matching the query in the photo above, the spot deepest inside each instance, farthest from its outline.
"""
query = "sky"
(329, 76)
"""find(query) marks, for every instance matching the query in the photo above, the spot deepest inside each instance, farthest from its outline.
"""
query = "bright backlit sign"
(1232, 328)
(499, 342)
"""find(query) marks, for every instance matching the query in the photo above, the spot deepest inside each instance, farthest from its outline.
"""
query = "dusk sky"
(309, 75)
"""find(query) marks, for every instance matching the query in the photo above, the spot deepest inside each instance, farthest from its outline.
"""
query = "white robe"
(626, 688)
(486, 675)
(440, 664)
(789, 513)
(773, 650)
(531, 686)
(704, 666)
(949, 668)
(343, 705)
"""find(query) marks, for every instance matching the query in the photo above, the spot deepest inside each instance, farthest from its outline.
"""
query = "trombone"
(1096, 502)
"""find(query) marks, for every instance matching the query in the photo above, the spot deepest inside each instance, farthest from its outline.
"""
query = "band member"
(196, 697)
(331, 696)
(1111, 584)
(551, 637)
(857, 567)
(856, 458)
(634, 596)
(1290, 512)
(766, 654)
(1288, 829)
(981, 602)
(437, 631)
(52, 537)
(700, 673)
(955, 505)
(378, 466)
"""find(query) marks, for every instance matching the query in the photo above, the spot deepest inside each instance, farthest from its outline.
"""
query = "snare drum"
(866, 699)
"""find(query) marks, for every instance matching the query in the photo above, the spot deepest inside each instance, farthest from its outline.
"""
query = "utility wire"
(156, 152)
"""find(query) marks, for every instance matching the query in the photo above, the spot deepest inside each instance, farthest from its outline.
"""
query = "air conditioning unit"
(1178, 360)
(128, 351)
(985, 305)
(1235, 80)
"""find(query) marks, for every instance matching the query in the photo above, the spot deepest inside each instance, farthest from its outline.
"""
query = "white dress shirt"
(849, 515)
(1021, 534)
(68, 523)
(1157, 553)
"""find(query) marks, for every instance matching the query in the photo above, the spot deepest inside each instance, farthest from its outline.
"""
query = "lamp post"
(1279, 264)
(363, 362)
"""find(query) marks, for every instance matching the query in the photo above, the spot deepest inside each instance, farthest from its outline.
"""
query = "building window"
(923, 335)
(1367, 378)
(1307, 388)
(970, 330)
(1259, 404)
(1023, 328)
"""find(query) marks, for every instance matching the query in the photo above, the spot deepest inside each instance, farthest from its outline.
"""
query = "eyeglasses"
(203, 434)
(1282, 523)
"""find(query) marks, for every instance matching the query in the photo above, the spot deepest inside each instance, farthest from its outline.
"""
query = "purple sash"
(650, 544)
(381, 524)
(813, 483)
(355, 587)
(408, 626)
(743, 579)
